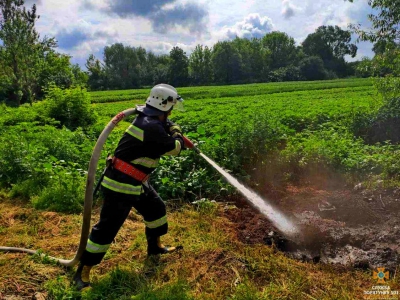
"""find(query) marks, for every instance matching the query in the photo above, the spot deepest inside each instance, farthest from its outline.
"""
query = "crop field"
(306, 147)
(331, 100)
(232, 90)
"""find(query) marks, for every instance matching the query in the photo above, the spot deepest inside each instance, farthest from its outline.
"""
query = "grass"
(214, 264)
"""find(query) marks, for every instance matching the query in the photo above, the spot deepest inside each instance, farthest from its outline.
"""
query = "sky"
(84, 27)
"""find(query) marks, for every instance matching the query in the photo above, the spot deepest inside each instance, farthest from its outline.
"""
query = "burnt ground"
(348, 227)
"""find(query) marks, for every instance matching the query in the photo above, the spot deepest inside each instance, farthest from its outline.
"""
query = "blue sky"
(83, 27)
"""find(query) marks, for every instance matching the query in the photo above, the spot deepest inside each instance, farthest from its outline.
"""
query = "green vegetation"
(268, 136)
(277, 132)
(30, 64)
(232, 91)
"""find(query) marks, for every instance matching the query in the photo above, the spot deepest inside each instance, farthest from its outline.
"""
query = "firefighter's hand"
(174, 129)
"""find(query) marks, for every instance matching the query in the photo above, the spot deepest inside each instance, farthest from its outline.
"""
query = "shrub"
(380, 125)
(46, 164)
(64, 192)
(246, 145)
(290, 73)
(335, 148)
(312, 68)
(71, 107)
(35, 114)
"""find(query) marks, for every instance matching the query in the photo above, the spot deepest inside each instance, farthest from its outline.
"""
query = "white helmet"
(163, 97)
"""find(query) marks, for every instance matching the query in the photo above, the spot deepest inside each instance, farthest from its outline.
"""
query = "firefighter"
(150, 136)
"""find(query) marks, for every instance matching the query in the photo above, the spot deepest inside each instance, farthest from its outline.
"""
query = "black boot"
(154, 247)
(81, 277)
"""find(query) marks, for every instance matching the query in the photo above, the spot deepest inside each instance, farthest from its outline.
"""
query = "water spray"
(278, 219)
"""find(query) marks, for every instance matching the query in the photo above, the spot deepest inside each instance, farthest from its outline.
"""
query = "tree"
(312, 68)
(22, 52)
(364, 68)
(282, 49)
(382, 46)
(200, 65)
(227, 63)
(96, 73)
(57, 71)
(385, 33)
(178, 71)
(160, 71)
(80, 77)
(331, 44)
(122, 66)
(385, 24)
(255, 59)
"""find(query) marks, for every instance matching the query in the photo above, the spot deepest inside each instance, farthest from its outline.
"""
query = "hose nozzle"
(189, 144)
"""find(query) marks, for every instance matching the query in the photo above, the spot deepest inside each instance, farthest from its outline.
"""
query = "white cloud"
(165, 47)
(253, 26)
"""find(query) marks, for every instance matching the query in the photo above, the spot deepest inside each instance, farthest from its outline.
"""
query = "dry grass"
(214, 264)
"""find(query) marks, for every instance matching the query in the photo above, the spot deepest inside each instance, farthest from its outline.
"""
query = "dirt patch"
(350, 227)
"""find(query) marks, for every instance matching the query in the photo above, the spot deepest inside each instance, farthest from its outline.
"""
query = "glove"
(174, 129)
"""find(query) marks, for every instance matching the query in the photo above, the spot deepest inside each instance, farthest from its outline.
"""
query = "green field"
(232, 90)
(331, 101)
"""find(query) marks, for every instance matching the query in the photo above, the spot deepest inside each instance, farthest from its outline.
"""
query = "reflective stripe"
(147, 162)
(135, 132)
(177, 149)
(121, 187)
(156, 223)
(96, 248)
(175, 127)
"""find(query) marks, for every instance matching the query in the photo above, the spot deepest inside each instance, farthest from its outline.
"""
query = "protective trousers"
(114, 212)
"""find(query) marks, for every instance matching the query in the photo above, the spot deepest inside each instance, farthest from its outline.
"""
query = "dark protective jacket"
(142, 145)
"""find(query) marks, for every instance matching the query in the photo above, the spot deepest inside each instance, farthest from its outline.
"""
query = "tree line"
(274, 57)
(29, 64)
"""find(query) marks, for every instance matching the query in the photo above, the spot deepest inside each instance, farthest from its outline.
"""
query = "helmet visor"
(179, 104)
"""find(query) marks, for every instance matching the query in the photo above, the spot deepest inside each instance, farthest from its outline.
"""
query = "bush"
(70, 107)
(380, 125)
(46, 164)
(290, 73)
(334, 148)
(65, 190)
(186, 177)
(312, 68)
(246, 145)
(35, 114)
